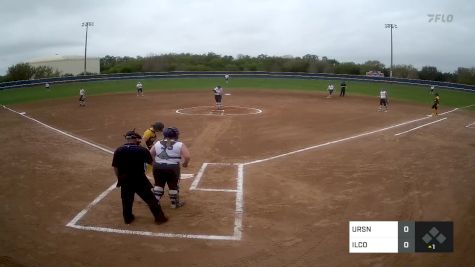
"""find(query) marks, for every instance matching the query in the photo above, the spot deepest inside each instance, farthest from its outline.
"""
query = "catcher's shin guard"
(158, 192)
(175, 199)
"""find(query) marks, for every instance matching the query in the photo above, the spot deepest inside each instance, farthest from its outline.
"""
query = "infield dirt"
(296, 207)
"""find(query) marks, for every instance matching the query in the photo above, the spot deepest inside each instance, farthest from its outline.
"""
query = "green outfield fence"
(243, 74)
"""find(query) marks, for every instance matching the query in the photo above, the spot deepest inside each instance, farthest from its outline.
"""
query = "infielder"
(342, 88)
(218, 97)
(226, 78)
(435, 105)
(139, 87)
(82, 97)
(383, 100)
(330, 89)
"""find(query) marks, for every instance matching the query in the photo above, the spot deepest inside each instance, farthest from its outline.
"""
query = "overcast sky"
(343, 30)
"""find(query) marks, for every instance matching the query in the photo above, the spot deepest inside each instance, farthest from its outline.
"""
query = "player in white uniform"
(431, 91)
(167, 155)
(383, 100)
(139, 87)
(330, 89)
(218, 97)
(226, 78)
(82, 97)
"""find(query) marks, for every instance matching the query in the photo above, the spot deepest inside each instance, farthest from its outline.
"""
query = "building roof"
(59, 58)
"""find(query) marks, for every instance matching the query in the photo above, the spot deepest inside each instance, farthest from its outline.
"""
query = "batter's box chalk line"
(237, 233)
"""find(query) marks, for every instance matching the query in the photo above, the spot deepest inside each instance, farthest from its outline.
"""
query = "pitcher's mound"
(226, 111)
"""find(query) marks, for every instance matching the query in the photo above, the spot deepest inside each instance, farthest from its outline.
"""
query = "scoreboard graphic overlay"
(400, 236)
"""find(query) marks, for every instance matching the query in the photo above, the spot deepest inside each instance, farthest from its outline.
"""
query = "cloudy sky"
(343, 30)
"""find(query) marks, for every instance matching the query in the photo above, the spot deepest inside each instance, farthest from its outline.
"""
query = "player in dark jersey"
(342, 88)
(435, 105)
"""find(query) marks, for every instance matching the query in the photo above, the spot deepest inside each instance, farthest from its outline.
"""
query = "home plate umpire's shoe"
(161, 220)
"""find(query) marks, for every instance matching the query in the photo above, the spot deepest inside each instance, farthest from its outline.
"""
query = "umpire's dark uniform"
(128, 163)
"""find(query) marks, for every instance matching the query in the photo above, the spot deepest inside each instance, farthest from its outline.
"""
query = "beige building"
(68, 64)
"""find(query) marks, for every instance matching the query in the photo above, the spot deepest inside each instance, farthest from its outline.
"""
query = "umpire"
(128, 163)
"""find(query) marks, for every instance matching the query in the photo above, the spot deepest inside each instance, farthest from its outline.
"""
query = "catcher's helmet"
(158, 126)
(171, 133)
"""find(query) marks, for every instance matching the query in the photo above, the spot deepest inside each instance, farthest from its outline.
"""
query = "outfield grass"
(418, 94)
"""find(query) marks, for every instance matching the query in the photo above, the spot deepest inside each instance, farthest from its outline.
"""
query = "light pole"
(86, 24)
(391, 26)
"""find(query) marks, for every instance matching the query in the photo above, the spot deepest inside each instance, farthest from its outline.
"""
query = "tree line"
(213, 62)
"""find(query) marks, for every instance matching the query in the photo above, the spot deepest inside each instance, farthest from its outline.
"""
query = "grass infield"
(411, 93)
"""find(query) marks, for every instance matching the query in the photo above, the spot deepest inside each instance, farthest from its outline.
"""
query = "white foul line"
(332, 142)
(469, 126)
(418, 127)
(345, 139)
(61, 132)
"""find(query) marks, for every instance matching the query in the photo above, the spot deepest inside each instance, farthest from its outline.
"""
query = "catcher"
(168, 154)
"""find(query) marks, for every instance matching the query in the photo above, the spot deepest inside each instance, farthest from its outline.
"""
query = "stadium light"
(86, 24)
(391, 26)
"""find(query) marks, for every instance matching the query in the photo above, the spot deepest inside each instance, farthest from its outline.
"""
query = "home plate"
(227, 94)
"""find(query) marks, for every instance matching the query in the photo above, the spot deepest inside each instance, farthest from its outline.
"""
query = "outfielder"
(167, 156)
(218, 97)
